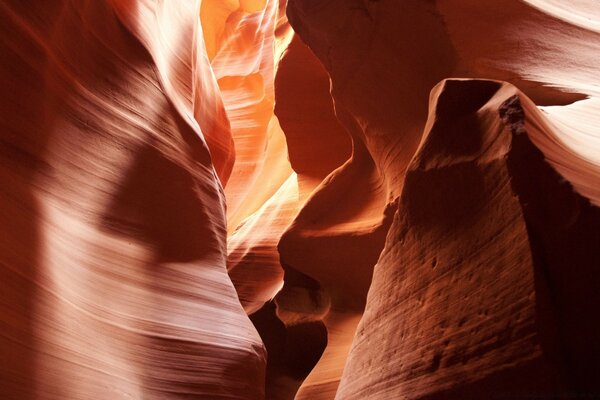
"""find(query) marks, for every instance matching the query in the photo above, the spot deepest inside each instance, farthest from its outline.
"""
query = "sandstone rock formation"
(113, 244)
(474, 295)
(271, 199)
(384, 97)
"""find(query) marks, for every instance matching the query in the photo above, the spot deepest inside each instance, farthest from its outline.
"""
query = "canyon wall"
(271, 199)
(451, 312)
(113, 239)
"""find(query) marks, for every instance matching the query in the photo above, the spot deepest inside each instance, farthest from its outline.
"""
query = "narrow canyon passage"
(299, 199)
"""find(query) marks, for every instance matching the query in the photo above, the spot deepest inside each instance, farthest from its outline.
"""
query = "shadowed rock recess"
(301, 199)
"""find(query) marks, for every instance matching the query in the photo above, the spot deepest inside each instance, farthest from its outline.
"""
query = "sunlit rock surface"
(261, 199)
(113, 232)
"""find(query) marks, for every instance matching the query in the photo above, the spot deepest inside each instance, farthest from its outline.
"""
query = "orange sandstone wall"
(112, 216)
(343, 199)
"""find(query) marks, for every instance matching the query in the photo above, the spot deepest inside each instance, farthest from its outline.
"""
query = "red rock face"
(313, 200)
(469, 293)
(113, 245)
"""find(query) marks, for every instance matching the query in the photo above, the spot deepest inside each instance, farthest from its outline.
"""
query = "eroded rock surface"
(342, 199)
(113, 233)
(481, 293)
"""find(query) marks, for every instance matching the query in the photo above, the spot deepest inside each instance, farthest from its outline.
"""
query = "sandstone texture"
(299, 199)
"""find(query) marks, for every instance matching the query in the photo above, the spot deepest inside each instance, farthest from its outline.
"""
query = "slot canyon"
(300, 199)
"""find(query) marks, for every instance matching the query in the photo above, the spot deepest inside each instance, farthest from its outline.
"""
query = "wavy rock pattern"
(472, 290)
(383, 97)
(113, 244)
(349, 199)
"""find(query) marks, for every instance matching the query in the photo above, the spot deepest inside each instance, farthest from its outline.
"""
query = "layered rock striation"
(113, 231)
(261, 199)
